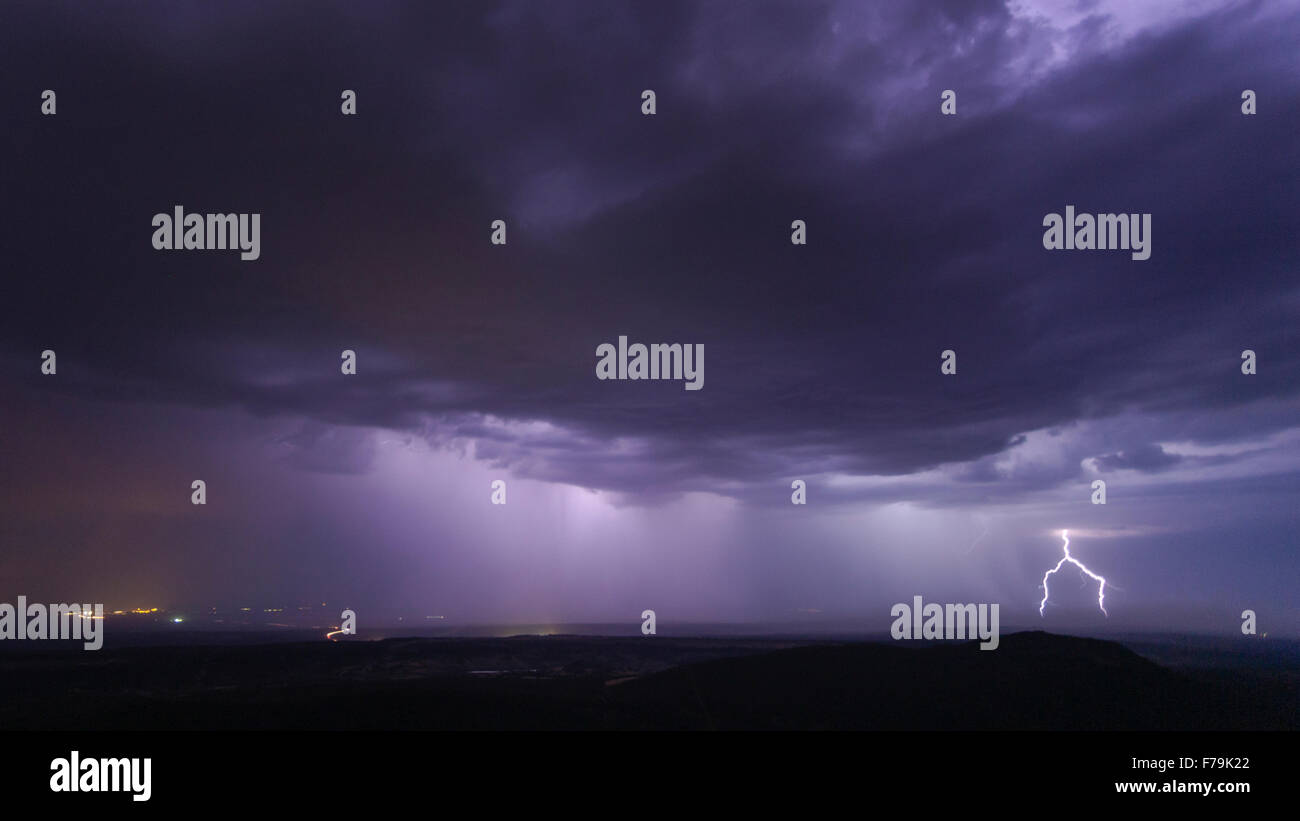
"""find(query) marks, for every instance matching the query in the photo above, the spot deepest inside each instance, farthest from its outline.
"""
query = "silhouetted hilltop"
(1032, 681)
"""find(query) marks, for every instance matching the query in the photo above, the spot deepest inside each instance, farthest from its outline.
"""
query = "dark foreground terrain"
(1033, 681)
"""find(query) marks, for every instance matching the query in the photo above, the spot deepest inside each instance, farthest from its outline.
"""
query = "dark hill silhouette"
(1032, 681)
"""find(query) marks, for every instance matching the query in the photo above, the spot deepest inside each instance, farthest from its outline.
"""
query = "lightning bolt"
(1101, 583)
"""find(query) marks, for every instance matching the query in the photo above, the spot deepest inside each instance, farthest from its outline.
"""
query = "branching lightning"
(1101, 583)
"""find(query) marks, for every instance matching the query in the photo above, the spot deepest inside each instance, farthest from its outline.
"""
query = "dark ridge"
(1034, 681)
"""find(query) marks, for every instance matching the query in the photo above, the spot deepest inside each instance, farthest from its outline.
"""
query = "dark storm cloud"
(476, 362)
(924, 230)
(1150, 458)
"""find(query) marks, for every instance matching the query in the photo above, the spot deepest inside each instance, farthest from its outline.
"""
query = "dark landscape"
(1035, 681)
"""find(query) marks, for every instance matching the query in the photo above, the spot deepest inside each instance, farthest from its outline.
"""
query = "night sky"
(477, 362)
